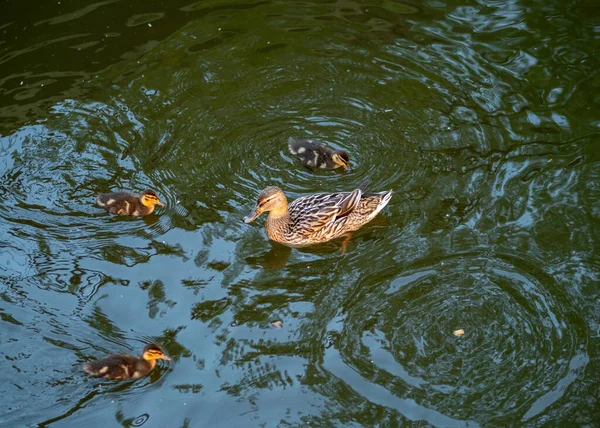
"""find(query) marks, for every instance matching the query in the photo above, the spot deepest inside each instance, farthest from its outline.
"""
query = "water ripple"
(523, 342)
(479, 116)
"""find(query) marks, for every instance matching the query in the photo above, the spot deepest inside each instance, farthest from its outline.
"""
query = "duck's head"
(149, 198)
(154, 352)
(341, 158)
(270, 199)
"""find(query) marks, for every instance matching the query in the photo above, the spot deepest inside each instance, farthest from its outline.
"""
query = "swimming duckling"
(123, 366)
(129, 203)
(314, 154)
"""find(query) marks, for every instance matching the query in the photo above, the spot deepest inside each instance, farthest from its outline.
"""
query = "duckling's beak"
(161, 203)
(166, 357)
(341, 163)
(252, 216)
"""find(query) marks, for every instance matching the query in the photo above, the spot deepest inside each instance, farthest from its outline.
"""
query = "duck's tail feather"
(385, 199)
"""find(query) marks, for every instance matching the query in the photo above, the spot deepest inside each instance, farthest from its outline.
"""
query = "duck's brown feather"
(321, 217)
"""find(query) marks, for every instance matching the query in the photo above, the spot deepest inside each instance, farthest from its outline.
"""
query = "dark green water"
(482, 116)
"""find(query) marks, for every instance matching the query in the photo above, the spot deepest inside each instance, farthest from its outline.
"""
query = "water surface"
(482, 116)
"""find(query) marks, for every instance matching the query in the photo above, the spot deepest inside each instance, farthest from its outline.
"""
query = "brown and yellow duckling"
(317, 155)
(316, 218)
(124, 203)
(123, 366)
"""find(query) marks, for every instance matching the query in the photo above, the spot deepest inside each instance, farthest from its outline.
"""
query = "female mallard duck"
(314, 154)
(123, 366)
(124, 203)
(317, 218)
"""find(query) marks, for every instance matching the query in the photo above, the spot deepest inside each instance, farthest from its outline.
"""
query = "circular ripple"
(140, 420)
(523, 342)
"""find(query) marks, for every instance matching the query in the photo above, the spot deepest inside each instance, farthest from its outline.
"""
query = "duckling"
(123, 366)
(129, 203)
(317, 155)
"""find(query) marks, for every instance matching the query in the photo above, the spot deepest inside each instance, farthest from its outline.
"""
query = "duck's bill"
(161, 203)
(252, 216)
(166, 357)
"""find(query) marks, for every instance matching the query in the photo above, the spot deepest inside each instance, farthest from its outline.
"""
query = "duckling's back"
(311, 153)
(118, 366)
(119, 202)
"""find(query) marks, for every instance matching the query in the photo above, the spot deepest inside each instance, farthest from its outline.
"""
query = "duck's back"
(325, 216)
(321, 217)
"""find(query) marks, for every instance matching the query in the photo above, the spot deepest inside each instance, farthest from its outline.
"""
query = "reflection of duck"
(123, 366)
(129, 203)
(316, 218)
(314, 154)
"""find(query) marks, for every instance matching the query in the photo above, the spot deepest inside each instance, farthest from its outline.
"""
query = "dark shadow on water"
(275, 258)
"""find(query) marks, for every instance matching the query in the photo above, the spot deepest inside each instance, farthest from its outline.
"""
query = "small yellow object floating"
(459, 332)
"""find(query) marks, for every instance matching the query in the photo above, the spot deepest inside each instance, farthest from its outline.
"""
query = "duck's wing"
(311, 213)
(115, 366)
